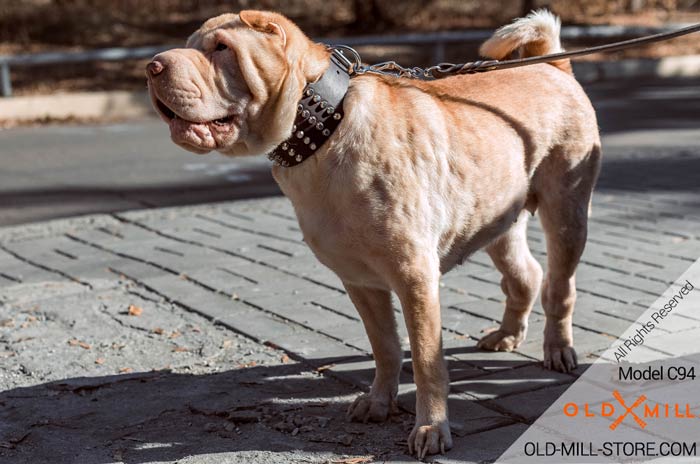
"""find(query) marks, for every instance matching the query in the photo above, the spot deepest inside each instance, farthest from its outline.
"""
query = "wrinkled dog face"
(234, 88)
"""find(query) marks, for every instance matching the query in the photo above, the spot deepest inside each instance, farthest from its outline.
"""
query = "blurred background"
(78, 136)
(31, 26)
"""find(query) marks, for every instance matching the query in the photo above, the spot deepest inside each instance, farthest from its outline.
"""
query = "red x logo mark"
(629, 410)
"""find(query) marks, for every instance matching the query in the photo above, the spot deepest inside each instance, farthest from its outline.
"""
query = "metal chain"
(386, 68)
(392, 68)
(439, 71)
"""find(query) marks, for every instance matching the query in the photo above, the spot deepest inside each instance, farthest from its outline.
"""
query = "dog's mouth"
(170, 115)
(199, 136)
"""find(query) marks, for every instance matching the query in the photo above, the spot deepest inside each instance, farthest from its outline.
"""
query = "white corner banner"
(639, 402)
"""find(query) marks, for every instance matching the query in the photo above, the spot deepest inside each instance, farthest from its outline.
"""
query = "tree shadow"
(27, 205)
(166, 416)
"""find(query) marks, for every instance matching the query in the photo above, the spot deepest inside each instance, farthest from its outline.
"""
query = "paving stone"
(338, 303)
(652, 288)
(222, 280)
(213, 305)
(529, 405)
(257, 272)
(461, 370)
(509, 381)
(243, 267)
(596, 314)
(289, 290)
(451, 297)
(475, 287)
(76, 260)
(585, 341)
(596, 257)
(465, 323)
(490, 310)
(467, 416)
(351, 333)
(587, 272)
(314, 272)
(683, 343)
(682, 249)
(678, 323)
(675, 269)
(641, 354)
(316, 349)
(261, 224)
(334, 325)
(137, 270)
(313, 346)
(484, 446)
(611, 292)
(23, 295)
(488, 361)
(17, 270)
(360, 372)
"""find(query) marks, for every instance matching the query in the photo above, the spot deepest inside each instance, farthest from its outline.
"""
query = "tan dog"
(417, 176)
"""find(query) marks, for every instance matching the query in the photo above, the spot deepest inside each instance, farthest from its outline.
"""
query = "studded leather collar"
(319, 113)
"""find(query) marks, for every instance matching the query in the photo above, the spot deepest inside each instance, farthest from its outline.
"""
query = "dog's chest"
(334, 232)
(339, 245)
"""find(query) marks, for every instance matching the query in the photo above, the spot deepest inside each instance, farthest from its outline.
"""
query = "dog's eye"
(221, 46)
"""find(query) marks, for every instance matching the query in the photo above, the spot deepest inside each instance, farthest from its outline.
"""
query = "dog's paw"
(499, 340)
(429, 439)
(370, 408)
(562, 359)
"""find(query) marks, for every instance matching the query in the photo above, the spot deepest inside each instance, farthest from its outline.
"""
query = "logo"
(629, 410)
(640, 411)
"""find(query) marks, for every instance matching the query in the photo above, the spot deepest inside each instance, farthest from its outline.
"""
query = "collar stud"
(318, 114)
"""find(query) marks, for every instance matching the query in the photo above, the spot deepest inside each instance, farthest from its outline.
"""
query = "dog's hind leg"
(377, 315)
(522, 276)
(564, 187)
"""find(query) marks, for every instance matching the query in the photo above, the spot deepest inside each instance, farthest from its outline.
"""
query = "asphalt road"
(62, 171)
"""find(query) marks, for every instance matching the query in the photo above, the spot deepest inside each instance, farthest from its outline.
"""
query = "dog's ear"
(313, 57)
(264, 21)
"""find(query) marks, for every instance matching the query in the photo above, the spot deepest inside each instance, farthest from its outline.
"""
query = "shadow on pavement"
(164, 416)
(27, 205)
(630, 105)
(670, 173)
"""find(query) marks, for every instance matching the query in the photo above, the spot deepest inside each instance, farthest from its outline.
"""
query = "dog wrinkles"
(400, 170)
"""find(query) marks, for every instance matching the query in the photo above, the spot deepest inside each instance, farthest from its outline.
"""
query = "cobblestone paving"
(212, 334)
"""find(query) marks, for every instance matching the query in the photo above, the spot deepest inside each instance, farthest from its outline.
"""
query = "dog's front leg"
(374, 306)
(418, 292)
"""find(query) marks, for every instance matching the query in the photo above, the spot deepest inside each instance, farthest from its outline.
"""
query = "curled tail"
(534, 35)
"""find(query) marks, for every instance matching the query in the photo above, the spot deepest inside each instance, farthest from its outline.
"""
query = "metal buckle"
(353, 67)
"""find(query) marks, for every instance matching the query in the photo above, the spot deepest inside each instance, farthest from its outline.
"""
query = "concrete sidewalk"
(211, 334)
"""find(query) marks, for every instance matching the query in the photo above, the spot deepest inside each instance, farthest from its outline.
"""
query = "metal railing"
(437, 40)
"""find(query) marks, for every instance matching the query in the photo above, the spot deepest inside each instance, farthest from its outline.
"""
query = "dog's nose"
(155, 67)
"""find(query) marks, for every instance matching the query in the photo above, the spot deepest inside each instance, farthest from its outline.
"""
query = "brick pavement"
(237, 313)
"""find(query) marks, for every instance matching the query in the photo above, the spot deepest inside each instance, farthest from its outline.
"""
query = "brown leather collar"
(319, 113)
